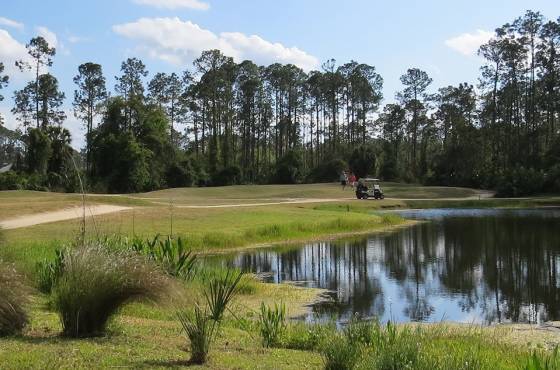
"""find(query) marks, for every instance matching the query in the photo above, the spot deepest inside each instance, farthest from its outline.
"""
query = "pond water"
(466, 265)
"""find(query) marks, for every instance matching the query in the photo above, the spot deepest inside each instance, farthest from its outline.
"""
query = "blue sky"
(437, 36)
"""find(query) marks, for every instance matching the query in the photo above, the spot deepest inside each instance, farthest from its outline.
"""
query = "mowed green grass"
(18, 203)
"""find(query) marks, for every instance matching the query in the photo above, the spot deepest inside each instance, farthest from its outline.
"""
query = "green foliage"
(340, 354)
(38, 151)
(172, 254)
(544, 361)
(201, 329)
(362, 161)
(306, 336)
(14, 296)
(272, 323)
(230, 175)
(520, 181)
(96, 282)
(48, 272)
(220, 291)
(328, 171)
(289, 168)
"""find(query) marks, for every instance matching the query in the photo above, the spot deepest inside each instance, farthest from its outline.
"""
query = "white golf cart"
(369, 188)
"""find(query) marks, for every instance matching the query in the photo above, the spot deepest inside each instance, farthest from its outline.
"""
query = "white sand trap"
(62, 215)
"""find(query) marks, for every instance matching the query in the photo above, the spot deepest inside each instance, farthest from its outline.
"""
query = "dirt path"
(62, 215)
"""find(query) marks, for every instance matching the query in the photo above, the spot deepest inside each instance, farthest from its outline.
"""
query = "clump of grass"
(172, 254)
(395, 348)
(340, 354)
(201, 325)
(272, 324)
(14, 296)
(544, 361)
(200, 328)
(96, 282)
(307, 336)
(48, 272)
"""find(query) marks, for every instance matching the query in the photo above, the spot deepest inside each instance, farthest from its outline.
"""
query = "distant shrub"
(14, 295)
(520, 181)
(96, 282)
(328, 171)
(272, 324)
(230, 175)
(289, 168)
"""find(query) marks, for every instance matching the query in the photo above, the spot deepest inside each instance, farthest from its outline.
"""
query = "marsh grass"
(96, 282)
(14, 297)
(49, 271)
(543, 361)
(272, 323)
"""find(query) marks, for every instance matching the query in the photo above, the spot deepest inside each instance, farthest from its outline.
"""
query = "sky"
(440, 37)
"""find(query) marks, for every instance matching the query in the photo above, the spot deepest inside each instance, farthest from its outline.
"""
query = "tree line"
(220, 122)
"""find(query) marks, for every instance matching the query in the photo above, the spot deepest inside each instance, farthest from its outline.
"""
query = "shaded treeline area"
(220, 122)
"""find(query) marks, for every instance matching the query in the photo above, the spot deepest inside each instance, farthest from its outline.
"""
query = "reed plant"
(272, 323)
(14, 297)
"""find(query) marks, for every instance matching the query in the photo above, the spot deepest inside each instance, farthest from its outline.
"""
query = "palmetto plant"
(172, 254)
(220, 291)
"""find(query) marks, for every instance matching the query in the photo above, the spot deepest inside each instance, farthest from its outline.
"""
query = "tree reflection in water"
(482, 266)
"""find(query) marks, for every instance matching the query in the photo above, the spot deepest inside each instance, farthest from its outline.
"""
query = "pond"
(466, 265)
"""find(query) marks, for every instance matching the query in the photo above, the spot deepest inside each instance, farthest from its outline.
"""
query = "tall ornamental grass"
(96, 282)
(14, 296)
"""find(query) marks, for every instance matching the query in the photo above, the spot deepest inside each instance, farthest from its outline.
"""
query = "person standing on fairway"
(343, 179)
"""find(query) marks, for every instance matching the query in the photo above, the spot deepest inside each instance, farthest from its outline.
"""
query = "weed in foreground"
(272, 324)
(200, 328)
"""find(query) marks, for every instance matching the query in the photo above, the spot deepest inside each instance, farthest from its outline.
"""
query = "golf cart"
(369, 188)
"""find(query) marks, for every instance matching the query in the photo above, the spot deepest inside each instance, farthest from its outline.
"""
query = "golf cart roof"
(370, 179)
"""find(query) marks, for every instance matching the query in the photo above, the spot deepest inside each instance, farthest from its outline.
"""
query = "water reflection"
(463, 265)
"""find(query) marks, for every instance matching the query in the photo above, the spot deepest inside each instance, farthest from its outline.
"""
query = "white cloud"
(177, 42)
(11, 51)
(468, 43)
(175, 4)
(48, 35)
(11, 23)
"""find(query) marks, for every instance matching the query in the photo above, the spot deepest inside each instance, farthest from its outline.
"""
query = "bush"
(288, 168)
(227, 176)
(272, 324)
(11, 180)
(362, 161)
(96, 282)
(328, 171)
(14, 294)
(520, 182)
